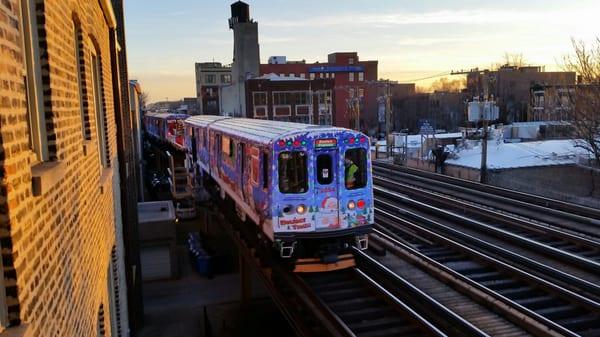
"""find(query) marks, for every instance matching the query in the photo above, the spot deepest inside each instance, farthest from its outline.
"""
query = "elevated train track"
(539, 306)
(573, 218)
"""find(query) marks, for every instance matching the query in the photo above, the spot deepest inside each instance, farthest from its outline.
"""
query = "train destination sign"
(324, 143)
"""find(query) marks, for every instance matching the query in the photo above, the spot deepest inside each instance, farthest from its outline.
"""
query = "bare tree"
(448, 85)
(584, 102)
(510, 60)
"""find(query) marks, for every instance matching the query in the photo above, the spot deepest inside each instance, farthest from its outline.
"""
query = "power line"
(426, 78)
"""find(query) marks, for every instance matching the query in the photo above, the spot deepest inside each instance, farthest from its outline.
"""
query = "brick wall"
(57, 246)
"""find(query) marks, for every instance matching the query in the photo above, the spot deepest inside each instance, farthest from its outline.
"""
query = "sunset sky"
(410, 39)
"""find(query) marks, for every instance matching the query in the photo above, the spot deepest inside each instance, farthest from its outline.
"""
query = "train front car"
(322, 197)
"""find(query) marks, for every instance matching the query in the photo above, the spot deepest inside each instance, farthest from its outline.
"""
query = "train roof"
(259, 130)
(204, 120)
(167, 115)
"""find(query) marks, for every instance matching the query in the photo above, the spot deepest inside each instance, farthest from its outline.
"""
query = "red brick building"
(355, 85)
(291, 99)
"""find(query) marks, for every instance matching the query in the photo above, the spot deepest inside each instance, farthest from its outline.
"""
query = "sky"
(410, 39)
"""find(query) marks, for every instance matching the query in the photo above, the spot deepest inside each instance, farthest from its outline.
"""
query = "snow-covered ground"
(512, 155)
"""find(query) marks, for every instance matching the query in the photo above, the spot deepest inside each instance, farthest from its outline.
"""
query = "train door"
(326, 190)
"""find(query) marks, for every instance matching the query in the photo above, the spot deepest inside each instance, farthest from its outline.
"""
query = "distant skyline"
(410, 39)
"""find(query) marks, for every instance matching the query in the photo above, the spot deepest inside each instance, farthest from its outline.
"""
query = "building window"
(321, 75)
(301, 97)
(101, 130)
(332, 75)
(80, 64)
(351, 77)
(282, 98)
(32, 81)
(259, 98)
(302, 75)
(292, 75)
(282, 75)
(312, 76)
(211, 78)
(226, 78)
(351, 60)
(326, 75)
(325, 119)
(361, 92)
(361, 76)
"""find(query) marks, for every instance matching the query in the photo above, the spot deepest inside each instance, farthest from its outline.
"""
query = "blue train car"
(307, 187)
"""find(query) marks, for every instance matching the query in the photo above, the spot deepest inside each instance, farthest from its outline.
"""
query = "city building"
(64, 146)
(510, 87)
(210, 78)
(551, 102)
(355, 85)
(246, 59)
(291, 99)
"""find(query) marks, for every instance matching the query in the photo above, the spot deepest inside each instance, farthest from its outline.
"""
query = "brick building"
(510, 87)
(355, 85)
(291, 99)
(63, 148)
(210, 78)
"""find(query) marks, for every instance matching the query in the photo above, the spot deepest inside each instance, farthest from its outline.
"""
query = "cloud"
(437, 17)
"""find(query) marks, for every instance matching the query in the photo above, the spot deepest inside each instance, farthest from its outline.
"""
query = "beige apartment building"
(60, 219)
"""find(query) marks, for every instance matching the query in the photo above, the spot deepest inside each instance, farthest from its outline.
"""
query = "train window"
(265, 170)
(254, 164)
(355, 164)
(293, 173)
(324, 169)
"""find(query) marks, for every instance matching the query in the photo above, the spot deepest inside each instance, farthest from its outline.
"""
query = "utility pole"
(484, 141)
(388, 118)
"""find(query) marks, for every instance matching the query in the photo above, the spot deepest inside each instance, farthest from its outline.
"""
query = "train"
(308, 188)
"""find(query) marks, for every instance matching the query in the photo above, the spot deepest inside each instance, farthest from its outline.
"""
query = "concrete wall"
(58, 247)
(570, 183)
(565, 182)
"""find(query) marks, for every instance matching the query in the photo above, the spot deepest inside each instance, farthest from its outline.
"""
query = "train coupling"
(286, 249)
(362, 241)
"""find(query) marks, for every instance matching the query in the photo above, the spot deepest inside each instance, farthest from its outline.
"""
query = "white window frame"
(302, 75)
(332, 75)
(312, 76)
(33, 75)
(265, 106)
(361, 76)
(350, 77)
(351, 60)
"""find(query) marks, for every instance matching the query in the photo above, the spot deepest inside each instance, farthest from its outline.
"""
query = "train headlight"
(360, 204)
(300, 209)
(351, 204)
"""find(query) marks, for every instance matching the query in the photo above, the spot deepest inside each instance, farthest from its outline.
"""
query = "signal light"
(281, 143)
(351, 204)
(289, 143)
(300, 209)
(360, 204)
(296, 143)
(363, 139)
(303, 143)
(351, 140)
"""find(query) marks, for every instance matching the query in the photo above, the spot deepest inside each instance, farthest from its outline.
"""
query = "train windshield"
(293, 172)
(355, 164)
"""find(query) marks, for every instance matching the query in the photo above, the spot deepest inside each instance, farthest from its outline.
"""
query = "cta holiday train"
(308, 188)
